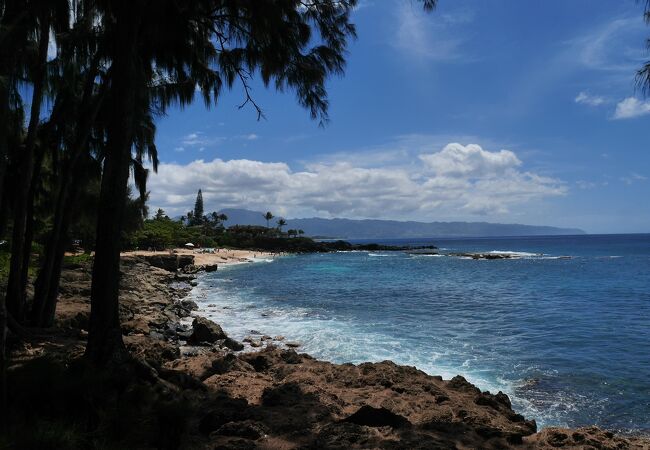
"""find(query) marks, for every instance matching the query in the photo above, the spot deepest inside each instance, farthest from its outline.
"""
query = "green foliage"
(268, 216)
(5, 257)
(81, 259)
(198, 208)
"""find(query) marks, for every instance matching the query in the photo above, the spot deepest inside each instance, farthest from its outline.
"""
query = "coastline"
(279, 398)
(219, 256)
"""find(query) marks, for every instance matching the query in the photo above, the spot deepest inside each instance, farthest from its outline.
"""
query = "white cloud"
(429, 36)
(199, 139)
(633, 178)
(588, 99)
(470, 160)
(456, 181)
(582, 184)
(608, 48)
(631, 107)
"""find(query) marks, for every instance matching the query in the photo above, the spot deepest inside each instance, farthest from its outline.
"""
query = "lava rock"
(245, 429)
(206, 331)
(377, 417)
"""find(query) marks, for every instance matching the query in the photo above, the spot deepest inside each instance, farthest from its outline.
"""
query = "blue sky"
(500, 110)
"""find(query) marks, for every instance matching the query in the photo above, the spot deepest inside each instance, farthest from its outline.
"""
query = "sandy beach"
(220, 255)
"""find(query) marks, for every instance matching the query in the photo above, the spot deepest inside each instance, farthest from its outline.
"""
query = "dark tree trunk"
(56, 240)
(46, 289)
(15, 289)
(12, 14)
(3, 363)
(53, 289)
(4, 149)
(29, 220)
(105, 344)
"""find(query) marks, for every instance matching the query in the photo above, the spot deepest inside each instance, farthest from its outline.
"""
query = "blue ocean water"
(567, 338)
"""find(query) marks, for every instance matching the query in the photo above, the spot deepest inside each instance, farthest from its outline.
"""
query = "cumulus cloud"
(631, 107)
(457, 180)
(471, 160)
(588, 99)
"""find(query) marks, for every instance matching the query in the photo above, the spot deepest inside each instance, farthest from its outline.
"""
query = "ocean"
(568, 339)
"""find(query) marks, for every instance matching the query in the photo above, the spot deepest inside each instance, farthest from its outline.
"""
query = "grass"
(37, 249)
(4, 264)
(77, 259)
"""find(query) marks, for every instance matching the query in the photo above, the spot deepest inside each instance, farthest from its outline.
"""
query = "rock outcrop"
(205, 330)
(170, 262)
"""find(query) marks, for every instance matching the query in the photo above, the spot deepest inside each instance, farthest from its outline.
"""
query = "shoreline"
(202, 258)
(280, 398)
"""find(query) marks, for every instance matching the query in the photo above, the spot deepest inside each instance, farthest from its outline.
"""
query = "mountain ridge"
(395, 229)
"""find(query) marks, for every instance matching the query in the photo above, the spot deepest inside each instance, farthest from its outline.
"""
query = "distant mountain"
(387, 229)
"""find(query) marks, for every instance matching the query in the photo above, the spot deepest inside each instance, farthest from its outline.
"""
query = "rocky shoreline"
(277, 398)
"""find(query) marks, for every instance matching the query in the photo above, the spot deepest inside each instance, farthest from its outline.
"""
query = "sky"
(504, 111)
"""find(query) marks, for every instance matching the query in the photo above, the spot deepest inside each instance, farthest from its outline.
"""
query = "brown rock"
(205, 331)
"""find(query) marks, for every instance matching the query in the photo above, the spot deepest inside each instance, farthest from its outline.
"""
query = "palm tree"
(268, 216)
(281, 222)
(40, 18)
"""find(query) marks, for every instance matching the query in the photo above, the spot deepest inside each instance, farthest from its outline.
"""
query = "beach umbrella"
(189, 244)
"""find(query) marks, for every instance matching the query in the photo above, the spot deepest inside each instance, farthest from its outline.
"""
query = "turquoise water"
(567, 339)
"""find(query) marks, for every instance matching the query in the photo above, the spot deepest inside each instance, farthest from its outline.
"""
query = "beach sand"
(221, 255)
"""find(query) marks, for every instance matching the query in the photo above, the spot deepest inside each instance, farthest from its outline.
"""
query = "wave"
(259, 260)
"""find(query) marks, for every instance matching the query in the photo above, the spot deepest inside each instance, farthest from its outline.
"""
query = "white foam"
(261, 260)
(331, 338)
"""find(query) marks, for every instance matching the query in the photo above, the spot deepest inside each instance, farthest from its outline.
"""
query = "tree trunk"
(50, 256)
(4, 148)
(46, 289)
(13, 13)
(53, 289)
(3, 364)
(15, 290)
(105, 344)
(29, 220)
